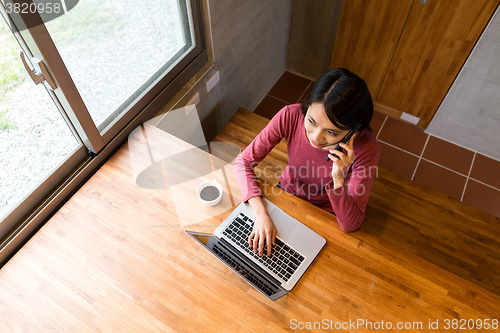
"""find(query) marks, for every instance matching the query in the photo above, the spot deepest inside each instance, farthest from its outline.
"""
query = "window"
(113, 64)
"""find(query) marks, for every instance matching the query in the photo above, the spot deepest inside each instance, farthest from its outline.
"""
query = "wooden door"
(434, 43)
(367, 36)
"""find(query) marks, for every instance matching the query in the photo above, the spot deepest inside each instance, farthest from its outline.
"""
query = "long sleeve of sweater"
(349, 200)
(255, 152)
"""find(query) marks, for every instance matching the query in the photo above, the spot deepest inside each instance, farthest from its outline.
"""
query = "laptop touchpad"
(285, 224)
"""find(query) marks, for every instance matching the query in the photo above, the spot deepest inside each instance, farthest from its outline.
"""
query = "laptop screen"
(239, 264)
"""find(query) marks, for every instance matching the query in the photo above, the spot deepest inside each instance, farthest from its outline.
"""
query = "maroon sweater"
(308, 174)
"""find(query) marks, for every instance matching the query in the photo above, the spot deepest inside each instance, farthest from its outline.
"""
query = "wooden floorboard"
(115, 258)
(450, 234)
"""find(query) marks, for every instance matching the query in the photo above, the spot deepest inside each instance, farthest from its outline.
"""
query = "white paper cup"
(208, 195)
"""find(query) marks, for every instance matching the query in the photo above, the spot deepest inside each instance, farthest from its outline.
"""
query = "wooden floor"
(114, 259)
(452, 235)
(461, 239)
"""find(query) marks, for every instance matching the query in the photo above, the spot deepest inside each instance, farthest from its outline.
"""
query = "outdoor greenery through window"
(136, 42)
(110, 59)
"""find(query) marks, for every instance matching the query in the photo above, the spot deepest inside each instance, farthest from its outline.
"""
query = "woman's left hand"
(341, 161)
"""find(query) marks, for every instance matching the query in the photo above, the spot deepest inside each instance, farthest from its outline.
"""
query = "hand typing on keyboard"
(264, 230)
(282, 260)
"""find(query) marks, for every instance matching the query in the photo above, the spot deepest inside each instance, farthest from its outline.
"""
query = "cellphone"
(346, 138)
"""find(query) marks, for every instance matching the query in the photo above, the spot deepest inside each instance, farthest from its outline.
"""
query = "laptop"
(295, 249)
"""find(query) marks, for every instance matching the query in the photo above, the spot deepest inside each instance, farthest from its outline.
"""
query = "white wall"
(470, 113)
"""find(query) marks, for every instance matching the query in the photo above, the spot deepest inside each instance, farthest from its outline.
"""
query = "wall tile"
(482, 197)
(397, 161)
(377, 121)
(269, 106)
(303, 98)
(403, 135)
(289, 87)
(440, 179)
(486, 170)
(448, 155)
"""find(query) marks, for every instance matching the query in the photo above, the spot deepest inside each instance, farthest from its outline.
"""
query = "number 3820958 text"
(25, 8)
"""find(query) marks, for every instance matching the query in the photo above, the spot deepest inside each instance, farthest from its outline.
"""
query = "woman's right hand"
(264, 231)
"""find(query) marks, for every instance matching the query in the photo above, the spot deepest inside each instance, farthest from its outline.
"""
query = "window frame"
(38, 206)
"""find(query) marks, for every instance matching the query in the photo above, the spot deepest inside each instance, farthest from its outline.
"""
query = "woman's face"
(320, 131)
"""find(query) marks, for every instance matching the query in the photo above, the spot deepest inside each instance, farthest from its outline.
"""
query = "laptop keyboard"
(258, 282)
(283, 261)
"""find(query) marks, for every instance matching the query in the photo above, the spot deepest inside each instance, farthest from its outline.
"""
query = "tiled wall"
(408, 151)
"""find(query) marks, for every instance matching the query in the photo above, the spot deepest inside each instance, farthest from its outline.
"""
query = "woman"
(338, 102)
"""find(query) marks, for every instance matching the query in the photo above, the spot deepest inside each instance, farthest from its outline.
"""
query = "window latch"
(39, 73)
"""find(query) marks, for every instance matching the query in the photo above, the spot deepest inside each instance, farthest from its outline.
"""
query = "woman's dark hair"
(345, 98)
